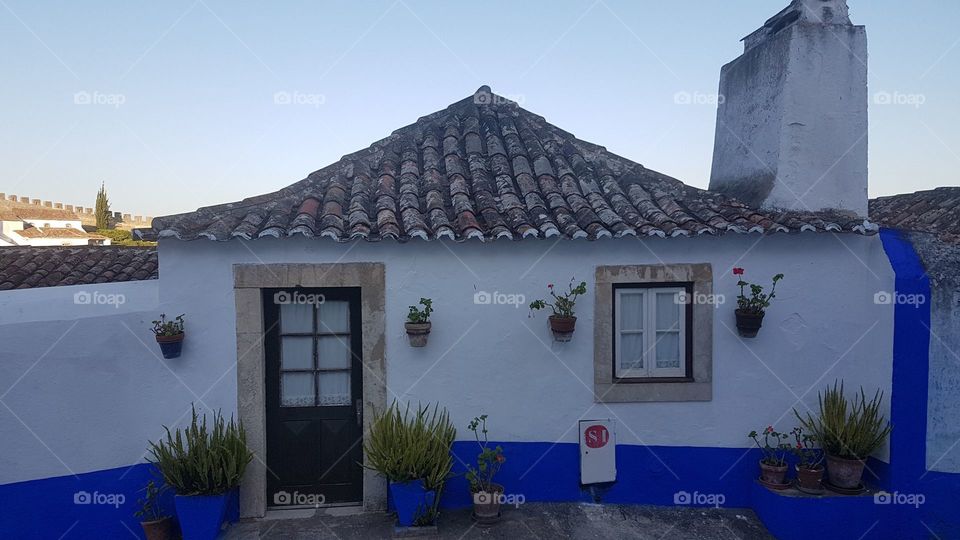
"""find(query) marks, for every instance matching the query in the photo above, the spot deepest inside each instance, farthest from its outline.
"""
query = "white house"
(28, 226)
(479, 207)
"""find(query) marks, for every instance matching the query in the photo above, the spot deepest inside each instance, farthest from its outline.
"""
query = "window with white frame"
(650, 331)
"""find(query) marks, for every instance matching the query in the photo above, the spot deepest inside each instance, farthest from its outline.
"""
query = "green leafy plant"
(405, 446)
(809, 456)
(563, 303)
(758, 301)
(847, 429)
(163, 327)
(488, 461)
(150, 503)
(774, 447)
(421, 315)
(202, 461)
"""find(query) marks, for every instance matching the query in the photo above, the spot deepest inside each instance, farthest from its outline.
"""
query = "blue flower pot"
(201, 516)
(411, 500)
(170, 346)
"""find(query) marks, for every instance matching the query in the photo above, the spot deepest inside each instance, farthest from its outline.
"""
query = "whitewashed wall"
(100, 394)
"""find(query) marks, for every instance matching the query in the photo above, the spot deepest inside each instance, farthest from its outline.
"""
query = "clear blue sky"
(198, 123)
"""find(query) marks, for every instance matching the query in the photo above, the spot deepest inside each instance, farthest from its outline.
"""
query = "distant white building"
(45, 227)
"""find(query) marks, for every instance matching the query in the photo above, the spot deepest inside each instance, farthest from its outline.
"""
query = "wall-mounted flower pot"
(486, 505)
(417, 333)
(411, 499)
(170, 346)
(748, 323)
(562, 327)
(810, 480)
(845, 474)
(201, 516)
(161, 529)
(773, 476)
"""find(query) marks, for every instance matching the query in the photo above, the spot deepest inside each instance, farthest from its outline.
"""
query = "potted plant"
(203, 466)
(412, 450)
(157, 525)
(169, 335)
(751, 309)
(486, 494)
(773, 465)
(418, 323)
(848, 432)
(562, 322)
(809, 462)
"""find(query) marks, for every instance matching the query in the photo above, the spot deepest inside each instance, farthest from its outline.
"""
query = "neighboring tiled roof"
(34, 213)
(486, 168)
(23, 267)
(936, 211)
(57, 232)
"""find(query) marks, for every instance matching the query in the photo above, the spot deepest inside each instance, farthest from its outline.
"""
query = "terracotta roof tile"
(23, 267)
(486, 168)
(935, 211)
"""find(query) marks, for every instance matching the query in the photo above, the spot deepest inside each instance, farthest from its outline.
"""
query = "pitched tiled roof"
(23, 267)
(486, 168)
(935, 211)
(57, 232)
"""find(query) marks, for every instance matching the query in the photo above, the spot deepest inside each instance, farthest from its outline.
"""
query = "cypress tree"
(102, 208)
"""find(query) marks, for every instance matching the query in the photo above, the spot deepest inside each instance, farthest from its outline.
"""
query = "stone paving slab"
(531, 521)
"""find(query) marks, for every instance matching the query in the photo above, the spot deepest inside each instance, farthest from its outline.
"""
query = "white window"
(650, 338)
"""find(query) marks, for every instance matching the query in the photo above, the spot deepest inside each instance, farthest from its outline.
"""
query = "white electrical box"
(598, 452)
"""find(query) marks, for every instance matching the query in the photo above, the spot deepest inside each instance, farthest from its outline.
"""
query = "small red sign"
(596, 436)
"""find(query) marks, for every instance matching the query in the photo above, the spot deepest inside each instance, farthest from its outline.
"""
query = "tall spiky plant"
(845, 429)
(201, 461)
(102, 208)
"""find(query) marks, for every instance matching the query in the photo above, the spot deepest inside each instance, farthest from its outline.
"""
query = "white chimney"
(792, 122)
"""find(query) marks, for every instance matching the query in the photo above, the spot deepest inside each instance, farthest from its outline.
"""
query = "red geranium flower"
(738, 271)
(550, 285)
(501, 459)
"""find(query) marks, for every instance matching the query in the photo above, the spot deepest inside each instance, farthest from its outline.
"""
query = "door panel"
(314, 384)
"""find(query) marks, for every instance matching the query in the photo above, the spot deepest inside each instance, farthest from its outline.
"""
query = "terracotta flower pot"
(845, 473)
(809, 480)
(562, 327)
(417, 333)
(161, 529)
(748, 324)
(773, 475)
(486, 505)
(171, 346)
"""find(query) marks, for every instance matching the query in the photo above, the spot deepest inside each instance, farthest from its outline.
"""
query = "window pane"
(631, 311)
(296, 352)
(296, 318)
(296, 389)
(333, 352)
(668, 349)
(668, 311)
(631, 351)
(334, 316)
(334, 388)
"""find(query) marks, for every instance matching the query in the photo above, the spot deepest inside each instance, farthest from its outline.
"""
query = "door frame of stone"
(248, 280)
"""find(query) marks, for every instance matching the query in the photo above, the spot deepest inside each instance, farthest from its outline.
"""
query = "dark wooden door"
(314, 394)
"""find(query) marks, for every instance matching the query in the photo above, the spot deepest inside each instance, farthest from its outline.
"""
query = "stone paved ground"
(533, 521)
